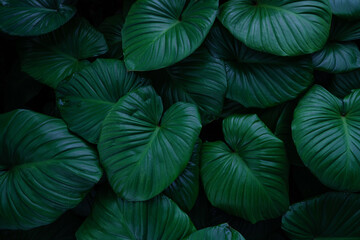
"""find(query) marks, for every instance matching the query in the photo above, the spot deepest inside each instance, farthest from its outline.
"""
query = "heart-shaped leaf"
(258, 79)
(199, 79)
(185, 189)
(117, 219)
(111, 28)
(44, 169)
(346, 8)
(327, 136)
(331, 216)
(143, 150)
(247, 175)
(159, 33)
(34, 17)
(285, 28)
(55, 56)
(221, 232)
(342, 84)
(85, 100)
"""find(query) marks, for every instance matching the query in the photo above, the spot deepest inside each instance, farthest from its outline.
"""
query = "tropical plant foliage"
(180, 119)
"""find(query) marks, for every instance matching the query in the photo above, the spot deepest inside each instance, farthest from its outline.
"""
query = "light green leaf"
(85, 100)
(199, 79)
(247, 175)
(34, 17)
(111, 28)
(284, 28)
(159, 33)
(327, 136)
(113, 218)
(143, 150)
(258, 79)
(185, 189)
(346, 8)
(44, 169)
(342, 84)
(331, 216)
(55, 56)
(221, 232)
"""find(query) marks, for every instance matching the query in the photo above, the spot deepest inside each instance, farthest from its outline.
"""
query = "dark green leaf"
(258, 79)
(111, 28)
(159, 33)
(221, 232)
(332, 216)
(143, 150)
(55, 56)
(44, 169)
(113, 218)
(247, 175)
(86, 99)
(34, 17)
(342, 84)
(327, 136)
(346, 8)
(285, 28)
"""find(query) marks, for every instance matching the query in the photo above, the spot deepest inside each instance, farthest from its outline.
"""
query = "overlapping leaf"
(327, 136)
(159, 33)
(221, 232)
(55, 56)
(85, 100)
(117, 219)
(331, 216)
(285, 28)
(44, 169)
(345, 8)
(111, 28)
(258, 79)
(34, 17)
(342, 84)
(247, 175)
(143, 150)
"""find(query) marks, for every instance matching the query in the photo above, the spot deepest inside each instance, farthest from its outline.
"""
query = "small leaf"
(111, 28)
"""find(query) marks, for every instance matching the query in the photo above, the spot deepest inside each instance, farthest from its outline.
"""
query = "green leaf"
(221, 232)
(342, 84)
(159, 33)
(44, 169)
(86, 99)
(327, 137)
(258, 79)
(111, 28)
(199, 79)
(346, 8)
(185, 189)
(113, 218)
(331, 216)
(339, 54)
(284, 28)
(63, 228)
(55, 56)
(143, 150)
(247, 175)
(337, 58)
(34, 17)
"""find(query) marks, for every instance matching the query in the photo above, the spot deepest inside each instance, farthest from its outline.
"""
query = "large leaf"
(285, 28)
(111, 28)
(199, 79)
(53, 57)
(342, 84)
(113, 218)
(247, 175)
(185, 189)
(327, 136)
(34, 17)
(346, 8)
(85, 100)
(143, 150)
(221, 232)
(44, 169)
(258, 79)
(331, 216)
(159, 33)
(340, 54)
